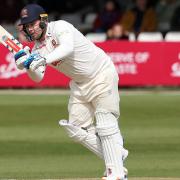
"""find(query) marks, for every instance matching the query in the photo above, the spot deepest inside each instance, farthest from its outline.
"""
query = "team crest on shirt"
(58, 62)
(54, 44)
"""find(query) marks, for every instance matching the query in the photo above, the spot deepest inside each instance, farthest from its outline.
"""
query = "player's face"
(34, 30)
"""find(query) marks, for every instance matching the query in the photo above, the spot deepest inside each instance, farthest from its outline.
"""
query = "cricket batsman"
(94, 99)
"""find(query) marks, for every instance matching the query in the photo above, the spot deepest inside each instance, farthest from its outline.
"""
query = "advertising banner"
(137, 63)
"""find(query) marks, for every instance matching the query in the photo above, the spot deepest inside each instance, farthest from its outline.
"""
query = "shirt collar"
(48, 32)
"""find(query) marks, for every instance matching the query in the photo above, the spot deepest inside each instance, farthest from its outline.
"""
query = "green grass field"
(33, 146)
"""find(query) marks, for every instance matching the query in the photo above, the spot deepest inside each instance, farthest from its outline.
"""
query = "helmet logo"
(24, 13)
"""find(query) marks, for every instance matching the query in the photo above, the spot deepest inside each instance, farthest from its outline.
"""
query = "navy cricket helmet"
(30, 13)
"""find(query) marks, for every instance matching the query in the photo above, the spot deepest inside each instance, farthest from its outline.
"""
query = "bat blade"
(9, 41)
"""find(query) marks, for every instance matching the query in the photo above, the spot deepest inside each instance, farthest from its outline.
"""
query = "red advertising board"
(171, 64)
(10, 76)
(137, 63)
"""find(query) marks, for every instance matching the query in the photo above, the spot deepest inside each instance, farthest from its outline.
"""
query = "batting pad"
(112, 142)
(87, 138)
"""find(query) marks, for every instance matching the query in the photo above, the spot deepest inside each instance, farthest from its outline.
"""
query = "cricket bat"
(9, 41)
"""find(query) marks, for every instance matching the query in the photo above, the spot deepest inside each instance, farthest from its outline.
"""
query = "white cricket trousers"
(100, 92)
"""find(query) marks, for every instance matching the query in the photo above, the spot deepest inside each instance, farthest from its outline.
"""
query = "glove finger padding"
(34, 61)
(27, 50)
(20, 57)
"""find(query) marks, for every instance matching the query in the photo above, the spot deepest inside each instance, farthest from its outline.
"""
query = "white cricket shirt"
(67, 50)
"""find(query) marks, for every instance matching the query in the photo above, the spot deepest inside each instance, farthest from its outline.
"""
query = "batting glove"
(21, 56)
(34, 61)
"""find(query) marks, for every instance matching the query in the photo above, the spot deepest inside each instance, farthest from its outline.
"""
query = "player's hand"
(34, 61)
(21, 56)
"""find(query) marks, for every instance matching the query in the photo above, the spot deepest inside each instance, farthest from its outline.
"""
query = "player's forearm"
(36, 75)
(59, 53)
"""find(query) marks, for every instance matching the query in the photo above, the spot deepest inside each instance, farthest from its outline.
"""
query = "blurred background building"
(99, 16)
